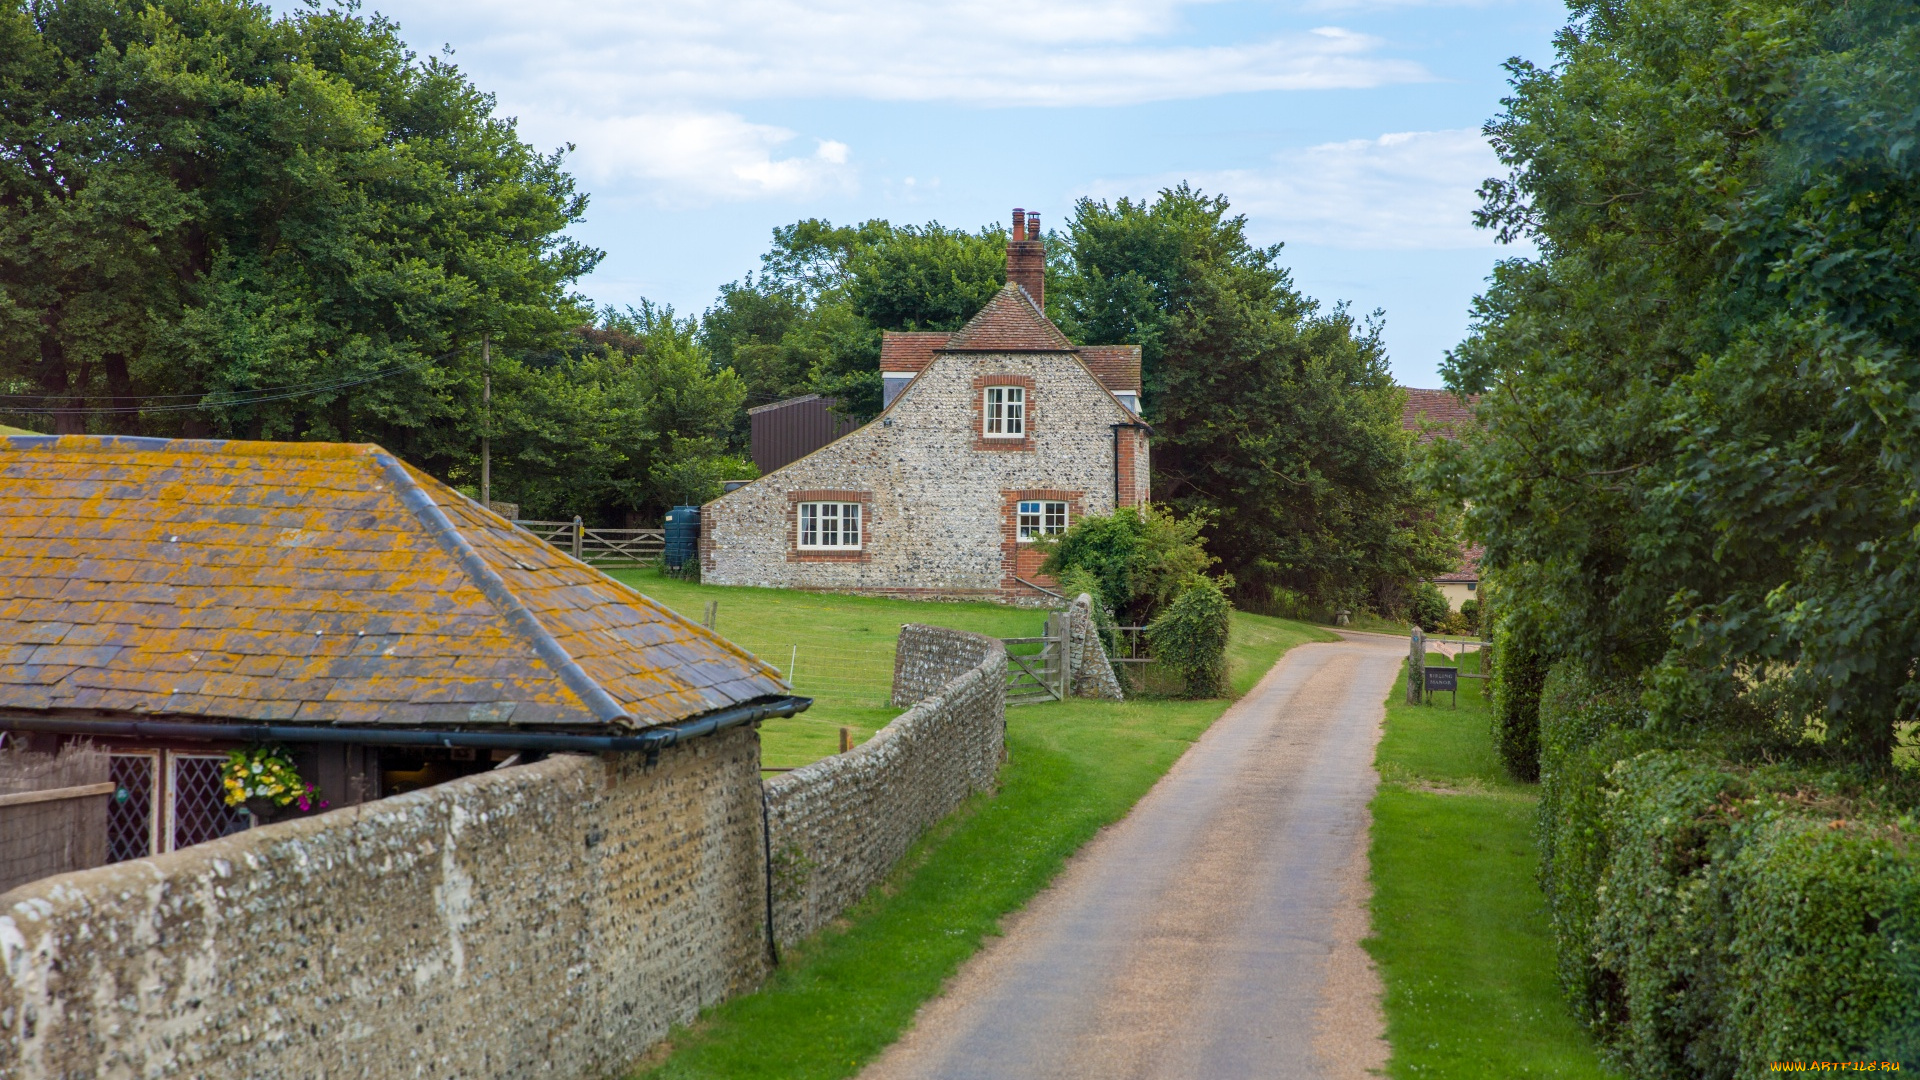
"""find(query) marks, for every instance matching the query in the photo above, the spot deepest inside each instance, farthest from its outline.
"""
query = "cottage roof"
(1009, 323)
(318, 583)
(1445, 412)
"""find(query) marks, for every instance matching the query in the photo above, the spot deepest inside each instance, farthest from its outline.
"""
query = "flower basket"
(265, 783)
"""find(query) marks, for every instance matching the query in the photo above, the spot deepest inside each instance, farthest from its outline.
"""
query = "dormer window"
(1005, 412)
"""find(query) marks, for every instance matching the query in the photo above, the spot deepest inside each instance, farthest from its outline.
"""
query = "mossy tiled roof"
(318, 583)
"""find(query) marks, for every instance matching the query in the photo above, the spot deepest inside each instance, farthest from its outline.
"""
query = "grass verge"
(1459, 926)
(847, 993)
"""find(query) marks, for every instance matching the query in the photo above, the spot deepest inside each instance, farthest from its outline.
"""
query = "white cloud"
(693, 157)
(596, 54)
(1407, 190)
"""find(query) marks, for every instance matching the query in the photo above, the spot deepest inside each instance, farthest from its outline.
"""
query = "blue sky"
(1349, 129)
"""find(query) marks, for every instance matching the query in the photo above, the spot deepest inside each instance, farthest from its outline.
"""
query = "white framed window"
(830, 526)
(1006, 412)
(1042, 519)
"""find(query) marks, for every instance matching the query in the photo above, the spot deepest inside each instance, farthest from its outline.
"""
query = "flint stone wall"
(552, 919)
(838, 826)
(1093, 675)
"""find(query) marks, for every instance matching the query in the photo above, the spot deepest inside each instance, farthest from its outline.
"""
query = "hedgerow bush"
(1189, 638)
(1584, 728)
(1711, 915)
(1519, 669)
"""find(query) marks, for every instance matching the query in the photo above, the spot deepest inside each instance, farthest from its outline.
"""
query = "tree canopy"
(1274, 420)
(1697, 466)
(203, 206)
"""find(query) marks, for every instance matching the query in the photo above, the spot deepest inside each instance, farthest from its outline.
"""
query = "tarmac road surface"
(1213, 934)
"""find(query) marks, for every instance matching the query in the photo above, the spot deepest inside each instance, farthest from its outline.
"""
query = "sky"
(1349, 130)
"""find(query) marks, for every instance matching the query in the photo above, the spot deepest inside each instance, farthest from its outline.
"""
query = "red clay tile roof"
(1436, 407)
(909, 350)
(1469, 569)
(318, 583)
(1118, 366)
(1009, 323)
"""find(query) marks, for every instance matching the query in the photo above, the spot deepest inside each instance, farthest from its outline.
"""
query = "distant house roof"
(1469, 568)
(318, 583)
(1445, 412)
(1010, 323)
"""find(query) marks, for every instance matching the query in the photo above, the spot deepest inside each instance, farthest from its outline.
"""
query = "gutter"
(650, 741)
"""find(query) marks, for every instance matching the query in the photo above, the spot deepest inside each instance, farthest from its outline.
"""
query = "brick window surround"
(1018, 560)
(795, 553)
(980, 439)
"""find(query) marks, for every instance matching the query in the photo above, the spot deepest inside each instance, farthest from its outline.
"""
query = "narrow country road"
(1211, 935)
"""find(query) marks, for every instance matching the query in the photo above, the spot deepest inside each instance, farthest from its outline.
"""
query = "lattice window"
(130, 808)
(200, 812)
(1042, 519)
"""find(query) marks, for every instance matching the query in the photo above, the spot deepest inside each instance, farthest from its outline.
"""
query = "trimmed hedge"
(1189, 637)
(1519, 671)
(1711, 917)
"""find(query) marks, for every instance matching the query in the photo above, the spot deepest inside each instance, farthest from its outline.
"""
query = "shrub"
(1427, 607)
(1470, 614)
(1583, 728)
(1754, 915)
(1142, 557)
(1190, 637)
(1519, 670)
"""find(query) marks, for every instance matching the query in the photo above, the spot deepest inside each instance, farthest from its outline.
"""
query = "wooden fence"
(601, 547)
(53, 813)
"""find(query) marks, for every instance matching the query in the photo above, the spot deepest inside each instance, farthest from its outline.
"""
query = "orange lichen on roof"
(318, 583)
(1009, 323)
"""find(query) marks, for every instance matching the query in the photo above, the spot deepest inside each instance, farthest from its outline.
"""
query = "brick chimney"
(1027, 257)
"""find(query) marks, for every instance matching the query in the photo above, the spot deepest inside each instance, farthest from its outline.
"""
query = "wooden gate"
(1046, 675)
(601, 547)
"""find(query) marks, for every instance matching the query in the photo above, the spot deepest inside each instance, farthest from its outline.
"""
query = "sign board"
(1443, 678)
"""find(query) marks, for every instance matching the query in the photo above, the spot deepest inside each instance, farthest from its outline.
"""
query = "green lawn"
(1459, 927)
(1073, 767)
(836, 649)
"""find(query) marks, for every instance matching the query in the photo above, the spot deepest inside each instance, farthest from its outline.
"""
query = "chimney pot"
(1019, 224)
(1026, 256)
(1033, 225)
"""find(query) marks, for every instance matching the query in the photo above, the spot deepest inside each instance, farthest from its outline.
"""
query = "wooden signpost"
(1443, 678)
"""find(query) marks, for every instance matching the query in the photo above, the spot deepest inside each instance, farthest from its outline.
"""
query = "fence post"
(578, 531)
(1416, 666)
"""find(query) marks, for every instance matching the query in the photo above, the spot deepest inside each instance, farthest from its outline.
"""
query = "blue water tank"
(683, 536)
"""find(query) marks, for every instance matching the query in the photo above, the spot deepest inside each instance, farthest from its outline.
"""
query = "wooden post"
(579, 532)
(846, 740)
(713, 614)
(1416, 666)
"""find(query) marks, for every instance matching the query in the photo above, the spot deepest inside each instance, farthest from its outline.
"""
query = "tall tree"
(1700, 460)
(201, 202)
(1275, 420)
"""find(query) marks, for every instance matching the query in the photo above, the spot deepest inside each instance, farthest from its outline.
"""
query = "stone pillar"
(1092, 672)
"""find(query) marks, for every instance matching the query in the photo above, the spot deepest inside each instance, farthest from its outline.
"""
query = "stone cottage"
(992, 436)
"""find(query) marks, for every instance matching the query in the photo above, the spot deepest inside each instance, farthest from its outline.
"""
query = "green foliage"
(1189, 638)
(811, 321)
(1470, 613)
(1428, 606)
(1698, 450)
(201, 199)
(1755, 915)
(1520, 668)
(1279, 420)
(631, 420)
(1139, 558)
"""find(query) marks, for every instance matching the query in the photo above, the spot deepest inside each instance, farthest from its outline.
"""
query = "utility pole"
(486, 422)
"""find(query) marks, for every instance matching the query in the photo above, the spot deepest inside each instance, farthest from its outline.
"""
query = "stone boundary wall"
(838, 826)
(552, 919)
